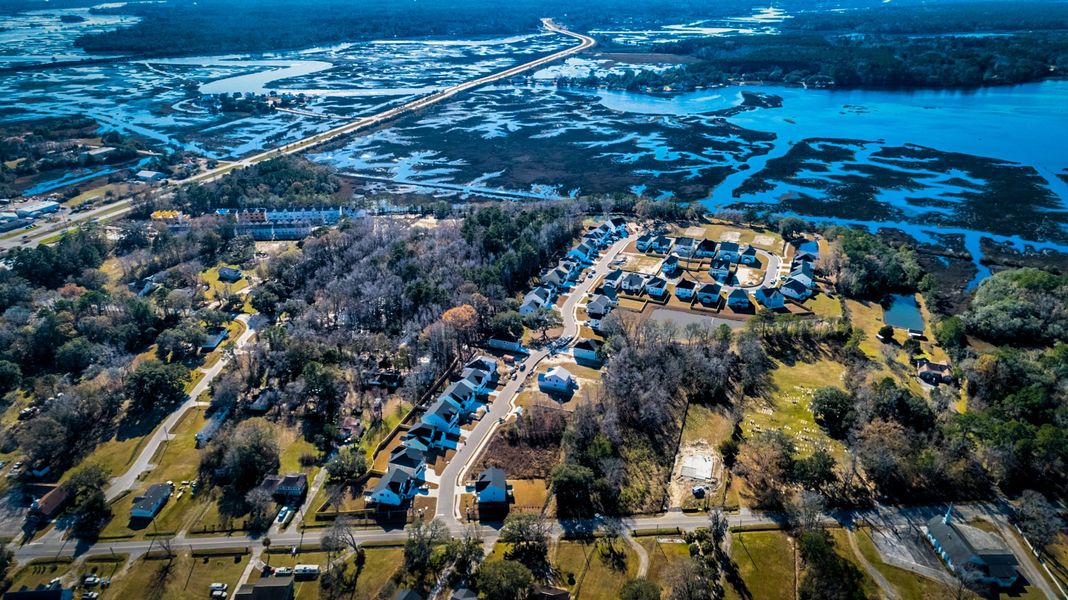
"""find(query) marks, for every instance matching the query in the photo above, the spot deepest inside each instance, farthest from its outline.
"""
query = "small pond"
(903, 312)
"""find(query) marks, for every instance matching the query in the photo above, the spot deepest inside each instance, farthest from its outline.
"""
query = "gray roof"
(685, 284)
(728, 246)
(738, 294)
(444, 408)
(492, 477)
(963, 544)
(153, 497)
(394, 479)
(709, 288)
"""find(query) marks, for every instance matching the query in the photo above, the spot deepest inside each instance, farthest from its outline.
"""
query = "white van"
(306, 570)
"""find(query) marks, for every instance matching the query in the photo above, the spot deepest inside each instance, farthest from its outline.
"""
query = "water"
(904, 312)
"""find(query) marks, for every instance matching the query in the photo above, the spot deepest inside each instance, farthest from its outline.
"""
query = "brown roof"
(51, 503)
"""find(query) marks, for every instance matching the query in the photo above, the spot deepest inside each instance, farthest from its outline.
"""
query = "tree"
(542, 320)
(423, 536)
(10, 376)
(571, 484)
(833, 409)
(640, 589)
(349, 464)
(1038, 519)
(828, 576)
(89, 508)
(259, 503)
(886, 334)
(504, 580)
(529, 537)
(790, 227)
(154, 384)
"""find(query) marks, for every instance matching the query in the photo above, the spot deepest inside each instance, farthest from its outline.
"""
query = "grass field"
(843, 549)
(788, 407)
(765, 562)
(705, 423)
(595, 577)
(183, 577)
(663, 556)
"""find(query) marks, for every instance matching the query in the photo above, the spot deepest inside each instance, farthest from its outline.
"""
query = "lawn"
(595, 576)
(40, 572)
(824, 306)
(706, 423)
(663, 555)
(183, 577)
(843, 549)
(907, 583)
(218, 290)
(788, 407)
(765, 561)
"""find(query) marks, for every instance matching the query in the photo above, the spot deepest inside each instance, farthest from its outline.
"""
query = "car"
(282, 514)
(218, 587)
(283, 571)
(90, 580)
(90, 595)
(219, 594)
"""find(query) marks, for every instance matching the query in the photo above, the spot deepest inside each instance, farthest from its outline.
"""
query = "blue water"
(68, 179)
(904, 312)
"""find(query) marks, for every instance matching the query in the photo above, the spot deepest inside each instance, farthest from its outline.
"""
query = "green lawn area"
(843, 549)
(706, 423)
(176, 460)
(183, 577)
(662, 557)
(907, 583)
(824, 306)
(594, 577)
(765, 562)
(380, 565)
(39, 572)
(218, 290)
(788, 408)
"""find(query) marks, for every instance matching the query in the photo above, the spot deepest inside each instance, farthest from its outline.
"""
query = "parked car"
(283, 571)
(218, 587)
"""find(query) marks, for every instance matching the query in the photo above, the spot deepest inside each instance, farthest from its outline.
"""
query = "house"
(587, 350)
(805, 256)
(350, 430)
(267, 588)
(443, 415)
(406, 594)
(685, 246)
(738, 299)
(599, 306)
(149, 504)
(611, 282)
(795, 289)
(670, 266)
(49, 505)
(708, 293)
(572, 270)
(720, 270)
(208, 431)
(556, 278)
(230, 274)
(491, 487)
(962, 546)
(770, 298)
(463, 593)
(284, 488)
(557, 379)
(410, 457)
(705, 249)
(535, 299)
(464, 394)
(396, 487)
(544, 592)
(633, 284)
(934, 373)
(728, 251)
(748, 256)
(601, 235)
(215, 337)
(619, 227)
(146, 175)
(482, 369)
(803, 272)
(584, 252)
(656, 287)
(644, 241)
(425, 436)
(684, 289)
(660, 245)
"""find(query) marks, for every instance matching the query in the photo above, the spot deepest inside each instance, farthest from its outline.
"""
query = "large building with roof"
(967, 548)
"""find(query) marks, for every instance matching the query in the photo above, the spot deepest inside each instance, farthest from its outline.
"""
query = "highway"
(115, 209)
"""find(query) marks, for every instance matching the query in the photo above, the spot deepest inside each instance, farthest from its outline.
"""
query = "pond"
(904, 312)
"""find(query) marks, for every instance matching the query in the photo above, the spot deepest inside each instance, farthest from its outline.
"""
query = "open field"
(589, 573)
(765, 561)
(183, 577)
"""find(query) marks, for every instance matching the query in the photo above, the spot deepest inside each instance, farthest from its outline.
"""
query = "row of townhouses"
(437, 431)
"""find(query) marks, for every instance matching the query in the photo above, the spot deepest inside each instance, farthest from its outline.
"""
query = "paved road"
(120, 207)
(451, 487)
(162, 434)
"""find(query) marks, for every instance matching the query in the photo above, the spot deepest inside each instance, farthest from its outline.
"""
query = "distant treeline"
(186, 27)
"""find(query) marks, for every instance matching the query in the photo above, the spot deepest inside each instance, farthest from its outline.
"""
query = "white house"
(491, 487)
(770, 298)
(557, 379)
(584, 252)
(708, 293)
(633, 284)
(644, 241)
(803, 272)
(685, 289)
(464, 394)
(396, 487)
(661, 245)
(443, 415)
(611, 282)
(795, 289)
(738, 299)
(599, 306)
(728, 251)
(720, 270)
(656, 287)
(482, 370)
(587, 350)
(685, 246)
(748, 256)
(535, 299)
